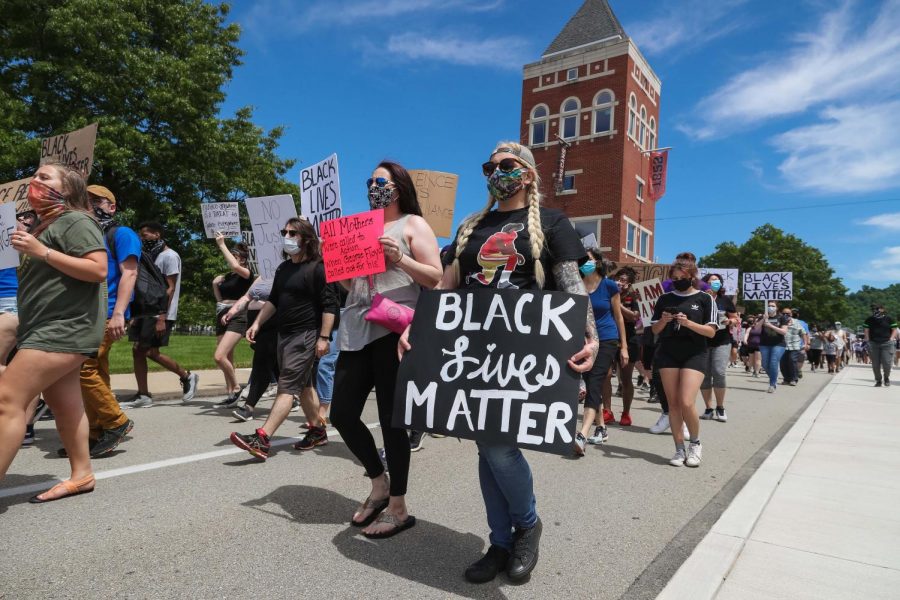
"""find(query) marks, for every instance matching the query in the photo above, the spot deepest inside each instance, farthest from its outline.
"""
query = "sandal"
(376, 506)
(391, 520)
(72, 487)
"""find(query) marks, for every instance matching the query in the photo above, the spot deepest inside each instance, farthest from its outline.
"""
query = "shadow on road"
(429, 554)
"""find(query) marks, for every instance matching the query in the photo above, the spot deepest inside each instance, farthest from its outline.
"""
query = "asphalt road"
(180, 513)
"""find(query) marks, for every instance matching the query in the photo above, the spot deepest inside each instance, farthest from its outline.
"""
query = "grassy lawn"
(190, 351)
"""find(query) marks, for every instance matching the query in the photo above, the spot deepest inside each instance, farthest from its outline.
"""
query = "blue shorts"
(9, 305)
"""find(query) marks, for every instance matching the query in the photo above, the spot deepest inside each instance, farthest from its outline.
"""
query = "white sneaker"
(678, 459)
(694, 454)
(138, 401)
(771, 389)
(270, 392)
(661, 424)
(578, 446)
(720, 415)
(189, 387)
(601, 434)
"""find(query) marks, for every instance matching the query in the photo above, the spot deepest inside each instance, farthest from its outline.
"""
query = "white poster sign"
(769, 286)
(647, 293)
(320, 192)
(223, 217)
(268, 216)
(589, 241)
(9, 257)
(729, 278)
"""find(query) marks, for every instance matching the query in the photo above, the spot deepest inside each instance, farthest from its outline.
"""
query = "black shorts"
(595, 378)
(634, 352)
(695, 362)
(237, 324)
(143, 333)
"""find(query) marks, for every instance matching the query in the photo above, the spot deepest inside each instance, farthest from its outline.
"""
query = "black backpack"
(150, 290)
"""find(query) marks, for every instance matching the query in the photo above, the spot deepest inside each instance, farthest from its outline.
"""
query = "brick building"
(593, 88)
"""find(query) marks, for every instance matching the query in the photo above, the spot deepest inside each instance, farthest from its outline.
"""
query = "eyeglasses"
(507, 165)
(289, 233)
(378, 181)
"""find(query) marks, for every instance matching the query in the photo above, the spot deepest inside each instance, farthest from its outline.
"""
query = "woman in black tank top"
(228, 289)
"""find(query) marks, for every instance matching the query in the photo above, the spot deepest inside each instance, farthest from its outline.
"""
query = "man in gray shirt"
(149, 334)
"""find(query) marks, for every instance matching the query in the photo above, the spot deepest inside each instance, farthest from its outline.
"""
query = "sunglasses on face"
(26, 216)
(378, 181)
(289, 233)
(507, 165)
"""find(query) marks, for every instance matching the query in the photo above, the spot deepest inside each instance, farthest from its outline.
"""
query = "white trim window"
(652, 143)
(569, 119)
(639, 188)
(637, 240)
(632, 114)
(539, 122)
(643, 128)
(572, 74)
(603, 111)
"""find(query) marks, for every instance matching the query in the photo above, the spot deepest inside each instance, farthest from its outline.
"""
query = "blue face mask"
(588, 268)
(715, 286)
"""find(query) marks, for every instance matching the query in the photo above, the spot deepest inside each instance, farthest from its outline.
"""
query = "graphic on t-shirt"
(499, 252)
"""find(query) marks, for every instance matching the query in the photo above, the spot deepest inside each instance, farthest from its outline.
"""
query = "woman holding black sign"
(684, 319)
(368, 356)
(518, 245)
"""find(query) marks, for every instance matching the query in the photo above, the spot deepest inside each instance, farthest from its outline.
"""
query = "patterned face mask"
(46, 202)
(380, 197)
(504, 186)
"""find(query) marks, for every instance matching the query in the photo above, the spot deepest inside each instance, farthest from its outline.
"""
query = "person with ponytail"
(684, 319)
(62, 317)
(228, 289)
(719, 350)
(368, 351)
(520, 245)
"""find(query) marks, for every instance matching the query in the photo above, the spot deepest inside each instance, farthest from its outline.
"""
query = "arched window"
(569, 119)
(539, 125)
(652, 143)
(603, 112)
(632, 115)
(643, 131)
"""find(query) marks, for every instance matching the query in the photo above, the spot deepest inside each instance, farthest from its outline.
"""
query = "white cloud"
(854, 149)
(686, 25)
(840, 61)
(886, 268)
(889, 221)
(502, 52)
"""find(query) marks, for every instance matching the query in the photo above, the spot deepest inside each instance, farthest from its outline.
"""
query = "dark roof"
(593, 22)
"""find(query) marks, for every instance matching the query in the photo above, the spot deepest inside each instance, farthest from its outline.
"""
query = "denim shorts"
(9, 305)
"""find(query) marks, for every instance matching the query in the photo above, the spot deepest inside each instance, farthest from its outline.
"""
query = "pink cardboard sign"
(350, 246)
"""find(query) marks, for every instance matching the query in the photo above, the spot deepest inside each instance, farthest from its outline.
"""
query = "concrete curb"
(703, 573)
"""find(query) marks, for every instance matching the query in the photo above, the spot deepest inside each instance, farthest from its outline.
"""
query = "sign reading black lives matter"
(491, 365)
(769, 286)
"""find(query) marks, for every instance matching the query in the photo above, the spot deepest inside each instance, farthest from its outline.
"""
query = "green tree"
(861, 301)
(152, 73)
(818, 294)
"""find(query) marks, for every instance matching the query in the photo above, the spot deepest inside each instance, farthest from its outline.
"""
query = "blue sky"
(769, 105)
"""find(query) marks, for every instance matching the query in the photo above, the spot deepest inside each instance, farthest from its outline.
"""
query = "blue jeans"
(507, 490)
(771, 361)
(325, 374)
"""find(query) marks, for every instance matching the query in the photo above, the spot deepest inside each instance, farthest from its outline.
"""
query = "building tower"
(593, 89)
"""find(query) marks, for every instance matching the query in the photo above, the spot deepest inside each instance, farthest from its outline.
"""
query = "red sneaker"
(625, 420)
(608, 417)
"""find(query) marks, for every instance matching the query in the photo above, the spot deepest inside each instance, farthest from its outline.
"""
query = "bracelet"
(399, 260)
(47, 256)
(327, 338)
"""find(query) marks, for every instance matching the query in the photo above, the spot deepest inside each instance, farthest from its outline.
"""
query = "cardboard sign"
(490, 365)
(17, 192)
(648, 271)
(350, 246)
(589, 241)
(647, 293)
(267, 218)
(247, 238)
(320, 192)
(730, 278)
(9, 256)
(437, 197)
(75, 149)
(221, 216)
(769, 286)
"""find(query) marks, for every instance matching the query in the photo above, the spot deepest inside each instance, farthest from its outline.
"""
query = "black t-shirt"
(879, 328)
(498, 253)
(233, 286)
(631, 303)
(301, 296)
(699, 308)
(723, 336)
(770, 337)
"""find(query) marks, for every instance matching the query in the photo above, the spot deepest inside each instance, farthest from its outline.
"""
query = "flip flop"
(391, 520)
(73, 488)
(376, 505)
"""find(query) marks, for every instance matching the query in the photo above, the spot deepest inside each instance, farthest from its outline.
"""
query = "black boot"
(526, 543)
(486, 568)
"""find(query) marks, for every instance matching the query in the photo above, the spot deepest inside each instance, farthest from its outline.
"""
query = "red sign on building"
(658, 164)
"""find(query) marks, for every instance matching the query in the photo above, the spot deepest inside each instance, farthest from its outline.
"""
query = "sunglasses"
(289, 233)
(378, 181)
(507, 165)
(21, 217)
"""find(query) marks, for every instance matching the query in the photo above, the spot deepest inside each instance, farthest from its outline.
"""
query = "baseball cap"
(522, 152)
(102, 192)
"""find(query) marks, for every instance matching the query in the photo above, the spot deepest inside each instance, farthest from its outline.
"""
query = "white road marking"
(159, 464)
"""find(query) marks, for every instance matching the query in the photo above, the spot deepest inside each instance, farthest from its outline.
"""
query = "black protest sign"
(490, 365)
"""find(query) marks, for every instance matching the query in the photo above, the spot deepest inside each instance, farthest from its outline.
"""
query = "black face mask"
(682, 285)
(104, 218)
(153, 247)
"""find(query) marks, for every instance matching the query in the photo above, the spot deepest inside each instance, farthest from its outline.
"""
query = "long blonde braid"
(535, 230)
(465, 230)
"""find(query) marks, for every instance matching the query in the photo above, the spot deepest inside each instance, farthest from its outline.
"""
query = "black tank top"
(234, 286)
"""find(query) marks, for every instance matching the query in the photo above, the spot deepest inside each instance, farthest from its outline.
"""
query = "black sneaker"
(230, 401)
(486, 568)
(878, 384)
(110, 439)
(415, 441)
(316, 436)
(244, 413)
(189, 386)
(887, 383)
(524, 556)
(28, 440)
(256, 443)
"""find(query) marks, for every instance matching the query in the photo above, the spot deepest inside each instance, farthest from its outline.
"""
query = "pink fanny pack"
(387, 313)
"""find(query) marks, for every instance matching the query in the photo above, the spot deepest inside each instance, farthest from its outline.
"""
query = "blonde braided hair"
(466, 229)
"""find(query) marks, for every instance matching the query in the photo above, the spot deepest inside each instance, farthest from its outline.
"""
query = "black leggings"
(356, 372)
(647, 354)
(265, 363)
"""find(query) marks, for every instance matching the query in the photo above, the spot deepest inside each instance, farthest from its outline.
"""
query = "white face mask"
(290, 246)
(772, 311)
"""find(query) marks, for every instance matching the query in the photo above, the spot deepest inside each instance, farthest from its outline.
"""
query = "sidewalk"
(167, 386)
(818, 519)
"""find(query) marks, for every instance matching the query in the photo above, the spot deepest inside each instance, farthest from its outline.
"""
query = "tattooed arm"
(568, 279)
